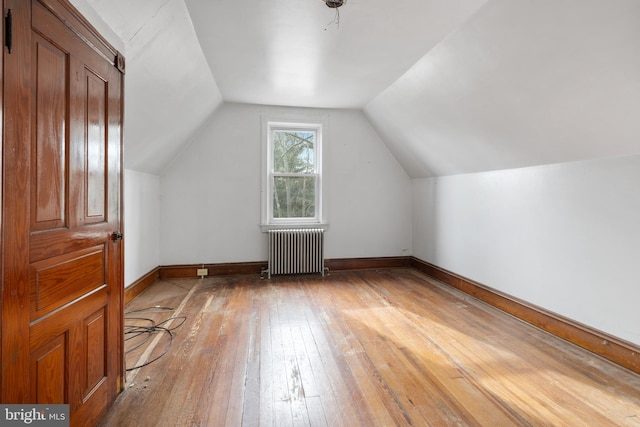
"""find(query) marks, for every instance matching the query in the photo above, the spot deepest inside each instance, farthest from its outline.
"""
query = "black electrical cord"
(155, 307)
(135, 331)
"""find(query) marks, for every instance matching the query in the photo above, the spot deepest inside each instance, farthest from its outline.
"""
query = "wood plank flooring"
(366, 348)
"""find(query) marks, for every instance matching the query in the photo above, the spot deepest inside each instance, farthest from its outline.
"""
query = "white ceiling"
(522, 83)
(286, 52)
(452, 86)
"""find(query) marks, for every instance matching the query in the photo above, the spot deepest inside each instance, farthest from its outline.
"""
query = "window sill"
(266, 227)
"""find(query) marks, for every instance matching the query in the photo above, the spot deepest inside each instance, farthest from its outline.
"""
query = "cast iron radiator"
(295, 251)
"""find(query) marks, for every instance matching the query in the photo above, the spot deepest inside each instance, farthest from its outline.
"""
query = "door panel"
(48, 371)
(62, 300)
(95, 349)
(96, 147)
(49, 147)
(61, 279)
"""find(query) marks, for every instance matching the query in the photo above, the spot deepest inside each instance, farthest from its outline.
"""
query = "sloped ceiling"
(452, 86)
(521, 83)
(169, 89)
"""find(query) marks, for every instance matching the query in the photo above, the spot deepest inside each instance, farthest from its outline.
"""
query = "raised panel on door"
(49, 134)
(96, 148)
(95, 341)
(48, 371)
(60, 280)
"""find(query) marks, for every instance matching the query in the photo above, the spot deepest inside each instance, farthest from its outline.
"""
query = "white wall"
(141, 224)
(565, 237)
(211, 194)
(85, 7)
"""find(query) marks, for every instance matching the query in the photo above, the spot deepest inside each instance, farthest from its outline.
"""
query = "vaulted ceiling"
(287, 52)
(452, 86)
(521, 83)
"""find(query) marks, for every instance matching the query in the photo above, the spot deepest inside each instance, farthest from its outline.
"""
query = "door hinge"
(8, 33)
(120, 63)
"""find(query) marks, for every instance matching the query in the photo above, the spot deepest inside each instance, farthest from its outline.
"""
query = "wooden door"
(62, 252)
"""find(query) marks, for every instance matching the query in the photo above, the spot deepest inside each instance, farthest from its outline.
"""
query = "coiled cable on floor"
(147, 331)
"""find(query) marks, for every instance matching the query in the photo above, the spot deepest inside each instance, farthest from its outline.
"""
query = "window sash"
(304, 164)
(293, 199)
(274, 217)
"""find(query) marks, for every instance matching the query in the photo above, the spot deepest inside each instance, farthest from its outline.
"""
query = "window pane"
(294, 152)
(294, 197)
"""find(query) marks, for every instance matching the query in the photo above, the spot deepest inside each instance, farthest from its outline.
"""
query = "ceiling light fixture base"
(334, 3)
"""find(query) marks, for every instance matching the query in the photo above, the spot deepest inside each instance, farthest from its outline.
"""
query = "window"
(294, 174)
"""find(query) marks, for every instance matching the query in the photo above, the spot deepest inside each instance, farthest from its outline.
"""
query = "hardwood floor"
(366, 348)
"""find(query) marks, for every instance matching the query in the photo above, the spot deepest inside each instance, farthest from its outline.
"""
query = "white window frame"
(267, 220)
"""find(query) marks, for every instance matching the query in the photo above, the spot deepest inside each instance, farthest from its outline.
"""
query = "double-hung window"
(294, 173)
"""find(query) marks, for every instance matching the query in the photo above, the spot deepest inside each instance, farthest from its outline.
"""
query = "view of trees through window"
(294, 173)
